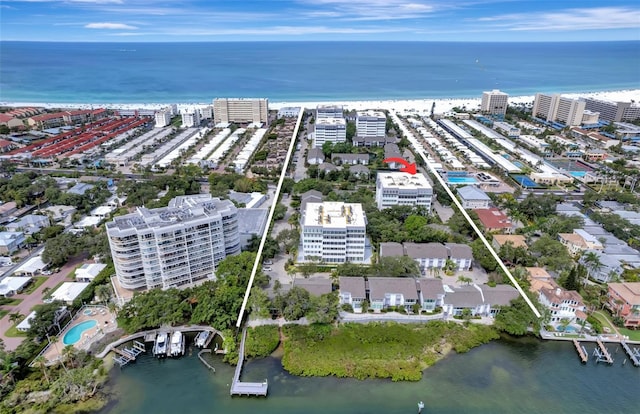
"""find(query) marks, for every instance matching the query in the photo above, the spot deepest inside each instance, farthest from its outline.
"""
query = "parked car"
(267, 268)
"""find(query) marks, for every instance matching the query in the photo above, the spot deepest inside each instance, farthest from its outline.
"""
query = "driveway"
(444, 212)
(35, 298)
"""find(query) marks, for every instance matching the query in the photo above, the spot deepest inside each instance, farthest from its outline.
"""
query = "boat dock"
(126, 355)
(582, 351)
(246, 388)
(634, 353)
(601, 353)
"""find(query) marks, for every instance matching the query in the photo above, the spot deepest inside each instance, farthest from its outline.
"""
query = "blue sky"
(249, 20)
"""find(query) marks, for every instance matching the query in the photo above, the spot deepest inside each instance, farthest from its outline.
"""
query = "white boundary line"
(414, 143)
(270, 218)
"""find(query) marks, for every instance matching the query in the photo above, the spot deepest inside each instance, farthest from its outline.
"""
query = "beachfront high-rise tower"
(241, 110)
(494, 102)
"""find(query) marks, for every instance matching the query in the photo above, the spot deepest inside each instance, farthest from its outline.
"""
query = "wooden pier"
(634, 353)
(126, 355)
(601, 353)
(246, 388)
(582, 351)
(208, 365)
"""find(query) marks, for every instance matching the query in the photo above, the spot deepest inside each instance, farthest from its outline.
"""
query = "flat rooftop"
(334, 214)
(403, 180)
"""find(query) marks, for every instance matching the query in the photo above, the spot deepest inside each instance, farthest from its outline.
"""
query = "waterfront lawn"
(262, 341)
(376, 350)
(634, 335)
(604, 320)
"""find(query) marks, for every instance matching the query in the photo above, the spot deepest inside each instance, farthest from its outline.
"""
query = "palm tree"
(15, 317)
(592, 260)
(464, 279)
(41, 363)
(104, 292)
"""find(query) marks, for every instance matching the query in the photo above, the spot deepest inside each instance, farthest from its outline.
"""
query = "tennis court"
(525, 181)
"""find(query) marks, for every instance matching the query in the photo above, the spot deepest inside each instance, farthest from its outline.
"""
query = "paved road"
(444, 212)
(29, 301)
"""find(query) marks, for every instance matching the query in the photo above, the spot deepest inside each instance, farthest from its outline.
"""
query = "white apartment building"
(329, 130)
(494, 102)
(191, 119)
(333, 232)
(614, 111)
(555, 108)
(403, 189)
(371, 124)
(207, 112)
(329, 112)
(163, 118)
(241, 110)
(175, 245)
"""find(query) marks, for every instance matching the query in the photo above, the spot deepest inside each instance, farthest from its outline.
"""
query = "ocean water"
(524, 376)
(52, 72)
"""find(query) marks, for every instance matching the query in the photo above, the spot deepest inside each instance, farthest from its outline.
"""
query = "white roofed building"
(191, 119)
(403, 189)
(333, 232)
(88, 271)
(494, 102)
(371, 124)
(241, 110)
(69, 291)
(329, 130)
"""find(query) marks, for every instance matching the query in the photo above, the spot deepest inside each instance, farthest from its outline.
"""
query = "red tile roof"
(492, 218)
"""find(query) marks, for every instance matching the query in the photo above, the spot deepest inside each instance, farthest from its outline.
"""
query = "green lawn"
(10, 302)
(3, 312)
(37, 282)
(604, 320)
(634, 335)
(14, 333)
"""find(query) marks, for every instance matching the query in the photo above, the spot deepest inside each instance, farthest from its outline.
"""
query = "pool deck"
(105, 323)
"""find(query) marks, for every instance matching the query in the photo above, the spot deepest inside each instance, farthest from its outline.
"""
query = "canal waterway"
(507, 376)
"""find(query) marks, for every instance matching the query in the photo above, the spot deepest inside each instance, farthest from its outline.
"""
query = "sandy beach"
(403, 106)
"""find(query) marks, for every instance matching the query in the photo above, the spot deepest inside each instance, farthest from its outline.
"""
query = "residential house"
(368, 142)
(352, 292)
(606, 268)
(350, 159)
(431, 293)
(579, 241)
(428, 255)
(5, 145)
(13, 285)
(562, 303)
(495, 221)
(461, 255)
(472, 197)
(29, 224)
(517, 240)
(392, 151)
(315, 156)
(327, 167)
(391, 249)
(480, 300)
(316, 286)
(624, 301)
(385, 292)
(88, 271)
(11, 241)
(360, 171)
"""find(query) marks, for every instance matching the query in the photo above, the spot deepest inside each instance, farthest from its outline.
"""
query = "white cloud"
(110, 26)
(372, 10)
(266, 31)
(570, 19)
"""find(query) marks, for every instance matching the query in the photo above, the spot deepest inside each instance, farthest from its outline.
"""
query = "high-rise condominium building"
(329, 130)
(614, 111)
(191, 119)
(329, 112)
(494, 102)
(403, 189)
(555, 108)
(371, 124)
(163, 118)
(175, 245)
(241, 110)
(333, 232)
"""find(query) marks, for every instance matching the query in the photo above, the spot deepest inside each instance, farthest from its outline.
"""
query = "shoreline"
(412, 105)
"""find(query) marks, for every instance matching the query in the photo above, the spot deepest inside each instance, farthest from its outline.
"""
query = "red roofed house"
(624, 301)
(45, 121)
(10, 121)
(6, 145)
(495, 221)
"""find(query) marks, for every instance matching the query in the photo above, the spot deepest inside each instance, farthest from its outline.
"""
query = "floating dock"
(634, 353)
(246, 388)
(582, 351)
(208, 365)
(601, 353)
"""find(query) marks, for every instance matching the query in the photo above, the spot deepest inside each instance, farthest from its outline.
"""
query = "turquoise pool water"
(75, 333)
(461, 180)
(579, 174)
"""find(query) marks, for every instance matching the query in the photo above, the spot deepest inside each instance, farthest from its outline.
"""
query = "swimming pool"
(461, 180)
(75, 333)
(578, 174)
(568, 329)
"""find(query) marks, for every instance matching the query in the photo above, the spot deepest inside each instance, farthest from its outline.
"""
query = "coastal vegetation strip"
(376, 350)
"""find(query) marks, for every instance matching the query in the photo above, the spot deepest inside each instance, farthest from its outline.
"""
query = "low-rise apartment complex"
(403, 189)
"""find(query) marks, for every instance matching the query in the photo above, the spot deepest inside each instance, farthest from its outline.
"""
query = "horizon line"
(323, 41)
